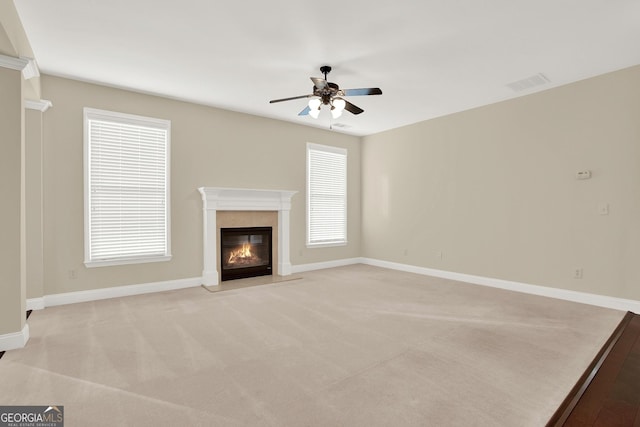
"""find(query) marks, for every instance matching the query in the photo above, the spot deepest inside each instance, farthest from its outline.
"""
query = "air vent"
(533, 81)
(341, 125)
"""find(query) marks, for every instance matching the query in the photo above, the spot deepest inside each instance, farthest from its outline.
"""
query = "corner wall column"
(34, 205)
(14, 331)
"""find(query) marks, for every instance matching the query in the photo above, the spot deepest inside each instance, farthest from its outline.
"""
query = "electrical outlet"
(439, 254)
(73, 274)
(603, 208)
(405, 252)
(577, 274)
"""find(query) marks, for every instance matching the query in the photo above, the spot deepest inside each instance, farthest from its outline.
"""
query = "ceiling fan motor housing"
(327, 92)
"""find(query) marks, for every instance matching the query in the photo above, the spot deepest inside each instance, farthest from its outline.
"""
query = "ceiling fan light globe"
(335, 112)
(314, 112)
(339, 104)
(314, 103)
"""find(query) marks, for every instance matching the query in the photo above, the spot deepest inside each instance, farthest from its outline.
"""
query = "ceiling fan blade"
(363, 91)
(352, 108)
(289, 99)
(319, 82)
(305, 112)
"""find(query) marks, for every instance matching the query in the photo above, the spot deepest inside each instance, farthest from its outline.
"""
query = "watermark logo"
(32, 416)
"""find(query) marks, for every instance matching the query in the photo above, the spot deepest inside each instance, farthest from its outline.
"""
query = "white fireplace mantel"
(240, 199)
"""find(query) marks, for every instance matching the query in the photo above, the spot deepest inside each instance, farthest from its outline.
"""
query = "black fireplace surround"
(245, 252)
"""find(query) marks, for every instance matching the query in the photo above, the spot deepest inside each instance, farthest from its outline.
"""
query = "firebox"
(245, 252)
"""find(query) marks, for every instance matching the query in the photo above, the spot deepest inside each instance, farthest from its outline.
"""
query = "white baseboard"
(564, 294)
(300, 268)
(119, 291)
(35, 303)
(15, 339)
(122, 291)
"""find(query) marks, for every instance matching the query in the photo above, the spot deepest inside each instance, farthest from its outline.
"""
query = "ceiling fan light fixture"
(337, 105)
(314, 107)
(314, 103)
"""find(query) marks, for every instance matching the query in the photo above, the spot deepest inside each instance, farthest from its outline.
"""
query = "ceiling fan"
(328, 93)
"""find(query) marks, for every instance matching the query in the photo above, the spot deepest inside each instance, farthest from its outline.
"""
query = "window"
(326, 195)
(126, 185)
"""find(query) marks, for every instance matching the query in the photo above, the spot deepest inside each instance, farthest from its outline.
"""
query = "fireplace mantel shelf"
(241, 199)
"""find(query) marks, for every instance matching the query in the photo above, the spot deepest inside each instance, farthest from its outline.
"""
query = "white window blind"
(326, 195)
(126, 188)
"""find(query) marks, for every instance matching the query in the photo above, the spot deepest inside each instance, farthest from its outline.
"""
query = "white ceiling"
(429, 57)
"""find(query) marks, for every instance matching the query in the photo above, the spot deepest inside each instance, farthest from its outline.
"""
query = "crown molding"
(38, 104)
(13, 63)
(31, 69)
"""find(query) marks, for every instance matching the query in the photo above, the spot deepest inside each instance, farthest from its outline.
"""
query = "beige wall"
(12, 298)
(5, 44)
(209, 147)
(493, 189)
(8, 22)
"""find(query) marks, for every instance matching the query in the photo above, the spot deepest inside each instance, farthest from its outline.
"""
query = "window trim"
(131, 119)
(329, 149)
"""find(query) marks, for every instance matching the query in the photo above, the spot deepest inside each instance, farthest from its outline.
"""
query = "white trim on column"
(28, 66)
(31, 69)
(242, 199)
(35, 303)
(14, 340)
(284, 257)
(38, 104)
(13, 63)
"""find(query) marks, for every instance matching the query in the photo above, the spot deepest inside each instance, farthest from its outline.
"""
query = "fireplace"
(238, 202)
(245, 252)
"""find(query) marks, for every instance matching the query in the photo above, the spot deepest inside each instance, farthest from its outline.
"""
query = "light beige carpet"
(351, 346)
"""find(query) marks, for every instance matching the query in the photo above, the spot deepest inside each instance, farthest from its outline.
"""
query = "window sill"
(326, 245)
(125, 261)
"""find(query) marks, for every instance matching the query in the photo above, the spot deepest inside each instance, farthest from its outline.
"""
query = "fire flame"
(241, 254)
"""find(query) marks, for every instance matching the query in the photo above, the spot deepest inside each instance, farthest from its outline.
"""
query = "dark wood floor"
(608, 394)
